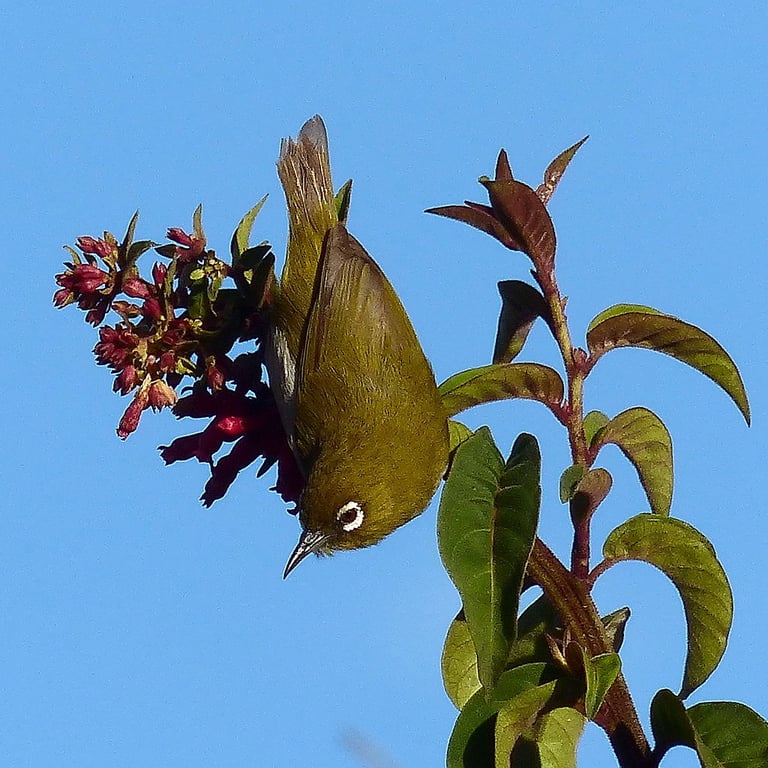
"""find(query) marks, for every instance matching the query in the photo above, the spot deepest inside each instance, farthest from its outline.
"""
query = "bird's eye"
(350, 516)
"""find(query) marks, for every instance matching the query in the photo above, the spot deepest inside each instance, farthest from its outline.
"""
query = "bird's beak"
(310, 541)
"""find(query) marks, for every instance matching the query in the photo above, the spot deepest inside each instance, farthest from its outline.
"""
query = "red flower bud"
(126, 309)
(200, 404)
(94, 247)
(192, 246)
(97, 314)
(159, 271)
(126, 380)
(132, 415)
(167, 362)
(152, 309)
(136, 288)
(82, 279)
(215, 377)
(115, 347)
(181, 449)
(161, 395)
(178, 235)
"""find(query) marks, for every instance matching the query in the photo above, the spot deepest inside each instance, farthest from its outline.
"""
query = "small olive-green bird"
(357, 395)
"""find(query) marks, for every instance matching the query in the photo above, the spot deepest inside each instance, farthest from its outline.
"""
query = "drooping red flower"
(253, 425)
(130, 420)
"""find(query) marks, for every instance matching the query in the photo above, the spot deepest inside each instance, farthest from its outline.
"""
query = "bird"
(356, 394)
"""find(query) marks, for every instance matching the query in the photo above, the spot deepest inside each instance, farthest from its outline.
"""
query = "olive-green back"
(370, 423)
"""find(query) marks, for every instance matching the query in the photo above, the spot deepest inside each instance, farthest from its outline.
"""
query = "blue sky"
(137, 628)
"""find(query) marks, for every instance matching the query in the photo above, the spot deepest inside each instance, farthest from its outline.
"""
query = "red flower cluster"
(183, 323)
(144, 349)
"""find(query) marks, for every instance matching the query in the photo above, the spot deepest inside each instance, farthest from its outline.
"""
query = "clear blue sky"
(137, 628)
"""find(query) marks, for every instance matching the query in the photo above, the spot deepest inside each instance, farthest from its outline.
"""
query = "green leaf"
(457, 433)
(594, 421)
(615, 623)
(521, 304)
(342, 200)
(74, 254)
(634, 325)
(214, 286)
(569, 480)
(501, 382)
(459, 660)
(137, 249)
(556, 736)
(130, 233)
(735, 734)
(600, 673)
(242, 235)
(252, 257)
(261, 278)
(459, 663)
(621, 309)
(724, 734)
(465, 536)
(198, 307)
(197, 222)
(670, 723)
(689, 560)
(486, 528)
(517, 716)
(525, 217)
(472, 741)
(533, 625)
(642, 437)
(555, 171)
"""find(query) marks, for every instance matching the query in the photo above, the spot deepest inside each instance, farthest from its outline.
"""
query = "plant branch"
(569, 596)
(580, 550)
(574, 361)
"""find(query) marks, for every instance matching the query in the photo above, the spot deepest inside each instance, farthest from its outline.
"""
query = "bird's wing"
(359, 348)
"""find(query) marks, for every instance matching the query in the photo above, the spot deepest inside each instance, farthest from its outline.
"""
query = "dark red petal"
(244, 452)
(181, 449)
(63, 297)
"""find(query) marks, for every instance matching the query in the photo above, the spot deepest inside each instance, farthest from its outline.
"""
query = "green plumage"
(369, 418)
(358, 396)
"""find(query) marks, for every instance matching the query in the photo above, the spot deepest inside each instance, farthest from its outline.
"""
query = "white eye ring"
(350, 522)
